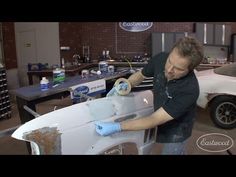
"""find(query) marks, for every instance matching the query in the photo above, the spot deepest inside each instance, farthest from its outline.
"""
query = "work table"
(32, 95)
(75, 70)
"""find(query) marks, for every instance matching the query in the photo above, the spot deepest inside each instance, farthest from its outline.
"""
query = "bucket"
(103, 67)
(85, 73)
(111, 69)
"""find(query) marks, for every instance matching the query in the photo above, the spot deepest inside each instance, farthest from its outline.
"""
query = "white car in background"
(218, 92)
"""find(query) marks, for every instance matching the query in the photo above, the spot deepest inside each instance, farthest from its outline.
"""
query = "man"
(175, 92)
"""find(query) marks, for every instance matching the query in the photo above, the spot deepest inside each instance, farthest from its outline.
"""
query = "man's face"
(176, 66)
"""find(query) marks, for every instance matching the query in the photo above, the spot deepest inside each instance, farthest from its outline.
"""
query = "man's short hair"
(190, 48)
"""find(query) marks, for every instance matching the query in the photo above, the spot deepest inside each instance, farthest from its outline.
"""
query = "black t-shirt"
(177, 97)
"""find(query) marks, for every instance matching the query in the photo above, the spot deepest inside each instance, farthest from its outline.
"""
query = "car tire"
(223, 112)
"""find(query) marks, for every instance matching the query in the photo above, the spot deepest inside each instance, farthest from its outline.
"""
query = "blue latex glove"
(107, 128)
(115, 90)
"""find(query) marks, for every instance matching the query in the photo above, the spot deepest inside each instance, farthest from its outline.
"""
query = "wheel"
(223, 112)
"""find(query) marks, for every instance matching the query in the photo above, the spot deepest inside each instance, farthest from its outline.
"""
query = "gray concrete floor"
(203, 125)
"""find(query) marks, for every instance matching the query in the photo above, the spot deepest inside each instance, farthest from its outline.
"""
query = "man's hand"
(121, 87)
(107, 128)
(116, 90)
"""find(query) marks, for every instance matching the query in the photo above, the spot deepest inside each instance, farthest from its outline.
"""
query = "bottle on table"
(44, 84)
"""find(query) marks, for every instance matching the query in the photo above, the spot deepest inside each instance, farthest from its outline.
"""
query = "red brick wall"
(108, 35)
(70, 35)
(98, 35)
(233, 26)
(9, 45)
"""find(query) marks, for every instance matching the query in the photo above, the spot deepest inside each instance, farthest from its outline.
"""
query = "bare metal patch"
(47, 138)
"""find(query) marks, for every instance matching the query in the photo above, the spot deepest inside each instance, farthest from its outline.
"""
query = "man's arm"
(157, 118)
(136, 78)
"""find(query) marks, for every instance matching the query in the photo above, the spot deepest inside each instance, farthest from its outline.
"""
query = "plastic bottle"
(44, 84)
(58, 76)
(62, 63)
(108, 55)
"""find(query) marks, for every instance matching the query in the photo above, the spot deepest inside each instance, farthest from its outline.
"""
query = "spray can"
(44, 84)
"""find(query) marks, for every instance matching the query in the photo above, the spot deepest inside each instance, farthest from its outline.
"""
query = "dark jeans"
(174, 148)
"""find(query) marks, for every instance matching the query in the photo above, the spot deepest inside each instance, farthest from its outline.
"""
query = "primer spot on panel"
(102, 110)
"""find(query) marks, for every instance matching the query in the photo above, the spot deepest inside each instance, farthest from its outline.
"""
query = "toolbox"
(5, 106)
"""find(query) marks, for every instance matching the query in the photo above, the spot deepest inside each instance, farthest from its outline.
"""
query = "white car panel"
(71, 130)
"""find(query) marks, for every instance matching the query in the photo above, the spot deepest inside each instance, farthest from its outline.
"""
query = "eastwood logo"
(81, 89)
(215, 142)
(135, 26)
